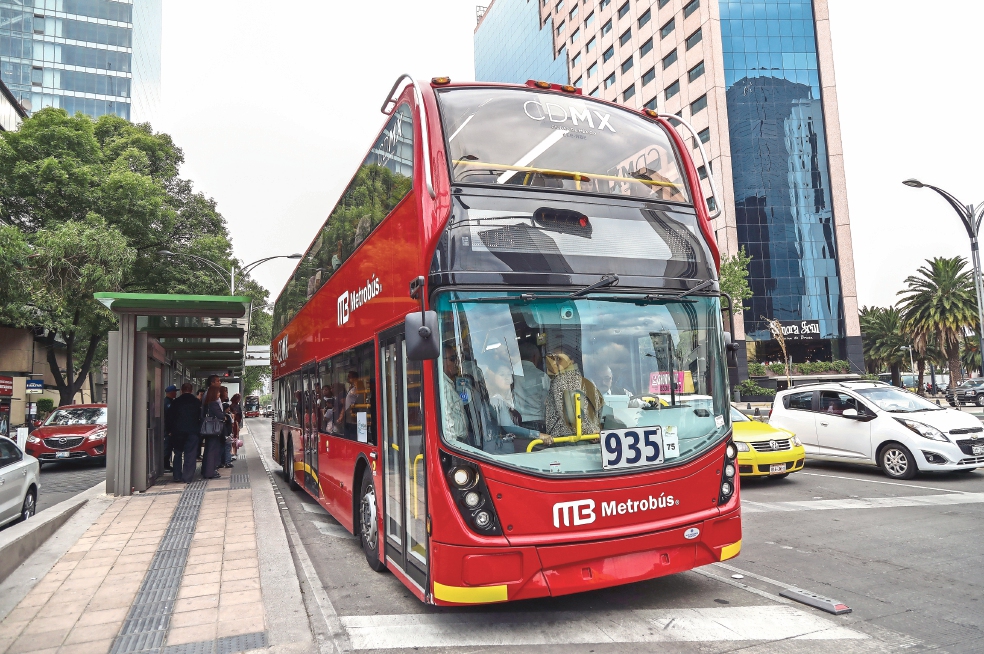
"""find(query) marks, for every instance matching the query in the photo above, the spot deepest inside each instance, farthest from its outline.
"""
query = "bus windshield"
(513, 368)
(530, 138)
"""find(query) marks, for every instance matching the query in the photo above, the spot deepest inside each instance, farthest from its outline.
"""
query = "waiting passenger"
(565, 381)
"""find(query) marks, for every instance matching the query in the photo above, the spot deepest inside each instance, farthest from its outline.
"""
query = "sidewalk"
(174, 570)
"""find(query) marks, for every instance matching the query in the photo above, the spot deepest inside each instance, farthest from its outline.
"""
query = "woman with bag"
(213, 431)
(236, 409)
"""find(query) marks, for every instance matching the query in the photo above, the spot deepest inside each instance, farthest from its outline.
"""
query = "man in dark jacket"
(183, 421)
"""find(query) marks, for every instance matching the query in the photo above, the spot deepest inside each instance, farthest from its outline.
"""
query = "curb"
(20, 541)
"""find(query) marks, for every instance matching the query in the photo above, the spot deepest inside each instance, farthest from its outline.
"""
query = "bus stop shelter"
(163, 339)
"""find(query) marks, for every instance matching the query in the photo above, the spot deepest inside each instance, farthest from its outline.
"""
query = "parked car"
(19, 482)
(76, 432)
(765, 450)
(968, 392)
(877, 424)
(268, 411)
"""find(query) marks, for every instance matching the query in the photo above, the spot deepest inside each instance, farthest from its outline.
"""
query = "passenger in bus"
(529, 391)
(356, 396)
(565, 381)
(452, 403)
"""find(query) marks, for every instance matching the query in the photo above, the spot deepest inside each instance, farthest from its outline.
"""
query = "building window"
(627, 65)
(624, 9)
(591, 44)
(669, 59)
(575, 34)
(648, 76)
(695, 72)
(560, 5)
(694, 39)
(667, 29)
(589, 20)
(626, 37)
(698, 105)
(662, 3)
(645, 17)
(594, 93)
(690, 8)
(646, 47)
(560, 53)
(578, 82)
(609, 81)
(575, 60)
(672, 89)
(702, 172)
(712, 204)
(608, 54)
(560, 27)
(592, 69)
(607, 27)
(651, 105)
(573, 13)
(629, 92)
(704, 135)
(604, 3)
(37, 76)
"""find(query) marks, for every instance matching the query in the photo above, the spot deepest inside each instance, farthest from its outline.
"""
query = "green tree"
(85, 206)
(940, 301)
(734, 276)
(883, 338)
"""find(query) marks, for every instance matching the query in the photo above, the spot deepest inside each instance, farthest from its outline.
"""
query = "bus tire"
(367, 523)
(289, 465)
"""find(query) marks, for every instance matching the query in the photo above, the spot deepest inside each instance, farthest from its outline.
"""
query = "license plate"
(977, 449)
(62, 455)
(777, 468)
(642, 446)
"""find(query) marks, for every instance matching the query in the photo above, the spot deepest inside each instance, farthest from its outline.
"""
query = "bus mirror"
(730, 348)
(421, 335)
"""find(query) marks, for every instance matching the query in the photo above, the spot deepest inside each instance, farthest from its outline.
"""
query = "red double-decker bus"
(501, 363)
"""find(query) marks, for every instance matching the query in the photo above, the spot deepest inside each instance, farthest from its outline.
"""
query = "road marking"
(731, 623)
(862, 503)
(887, 483)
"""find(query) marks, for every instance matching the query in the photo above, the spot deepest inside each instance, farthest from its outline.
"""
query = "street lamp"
(231, 273)
(912, 365)
(971, 219)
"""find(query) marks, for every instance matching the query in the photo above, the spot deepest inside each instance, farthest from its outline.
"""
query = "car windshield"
(738, 416)
(896, 400)
(513, 369)
(532, 138)
(81, 416)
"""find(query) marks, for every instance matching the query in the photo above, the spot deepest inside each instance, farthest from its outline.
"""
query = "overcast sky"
(275, 110)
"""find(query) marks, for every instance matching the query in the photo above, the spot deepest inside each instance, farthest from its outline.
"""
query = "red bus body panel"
(534, 557)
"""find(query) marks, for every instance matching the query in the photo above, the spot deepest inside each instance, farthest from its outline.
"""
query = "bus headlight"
(470, 494)
(726, 488)
(482, 520)
(730, 452)
(728, 478)
(462, 477)
(729, 470)
(472, 499)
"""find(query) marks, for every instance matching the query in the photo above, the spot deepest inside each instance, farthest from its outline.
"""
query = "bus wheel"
(368, 523)
(289, 465)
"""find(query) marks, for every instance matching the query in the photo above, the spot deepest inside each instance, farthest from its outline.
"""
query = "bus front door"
(310, 434)
(404, 483)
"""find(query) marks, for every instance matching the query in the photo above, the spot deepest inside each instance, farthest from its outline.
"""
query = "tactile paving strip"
(147, 622)
(227, 645)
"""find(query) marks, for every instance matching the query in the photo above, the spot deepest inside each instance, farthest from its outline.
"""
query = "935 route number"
(641, 446)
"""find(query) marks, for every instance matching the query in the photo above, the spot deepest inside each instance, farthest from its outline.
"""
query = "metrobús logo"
(280, 351)
(582, 512)
(349, 301)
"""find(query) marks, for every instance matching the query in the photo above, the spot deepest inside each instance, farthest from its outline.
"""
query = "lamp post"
(231, 273)
(971, 219)
(912, 365)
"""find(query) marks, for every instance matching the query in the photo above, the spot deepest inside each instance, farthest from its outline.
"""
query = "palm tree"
(940, 301)
(883, 337)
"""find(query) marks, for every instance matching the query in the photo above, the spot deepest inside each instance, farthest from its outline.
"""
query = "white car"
(19, 483)
(874, 423)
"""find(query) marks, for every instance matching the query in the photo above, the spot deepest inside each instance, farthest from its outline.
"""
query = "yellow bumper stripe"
(470, 594)
(730, 551)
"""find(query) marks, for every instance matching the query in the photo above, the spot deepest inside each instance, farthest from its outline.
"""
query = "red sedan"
(70, 433)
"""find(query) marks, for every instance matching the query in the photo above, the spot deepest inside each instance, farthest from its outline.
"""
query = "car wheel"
(368, 526)
(289, 468)
(897, 462)
(980, 400)
(30, 505)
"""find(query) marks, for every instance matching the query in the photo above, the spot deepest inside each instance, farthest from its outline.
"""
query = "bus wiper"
(608, 280)
(678, 296)
(704, 284)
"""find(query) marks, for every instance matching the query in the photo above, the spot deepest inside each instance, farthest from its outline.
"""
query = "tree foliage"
(85, 206)
(734, 276)
(883, 337)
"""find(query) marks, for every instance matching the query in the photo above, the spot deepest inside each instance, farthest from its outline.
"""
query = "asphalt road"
(60, 481)
(906, 556)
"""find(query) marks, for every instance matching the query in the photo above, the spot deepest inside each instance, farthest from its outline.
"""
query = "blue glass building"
(82, 55)
(511, 46)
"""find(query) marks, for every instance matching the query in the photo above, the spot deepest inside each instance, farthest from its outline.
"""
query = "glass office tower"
(512, 46)
(81, 55)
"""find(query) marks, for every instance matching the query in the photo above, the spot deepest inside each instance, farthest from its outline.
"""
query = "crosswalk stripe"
(731, 623)
(863, 503)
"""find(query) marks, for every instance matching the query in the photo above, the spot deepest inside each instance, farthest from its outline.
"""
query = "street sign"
(6, 386)
(35, 386)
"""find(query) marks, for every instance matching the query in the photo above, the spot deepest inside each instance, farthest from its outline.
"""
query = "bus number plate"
(628, 448)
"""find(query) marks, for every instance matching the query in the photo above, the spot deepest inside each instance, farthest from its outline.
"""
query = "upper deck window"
(529, 138)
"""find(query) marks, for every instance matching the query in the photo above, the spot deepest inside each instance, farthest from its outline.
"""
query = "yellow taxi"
(765, 451)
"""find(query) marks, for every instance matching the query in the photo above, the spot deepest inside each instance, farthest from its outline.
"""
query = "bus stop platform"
(180, 568)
